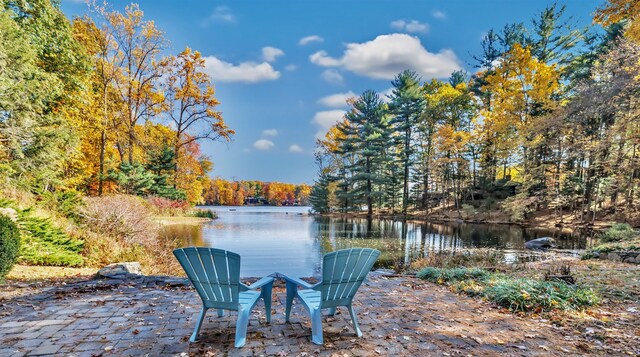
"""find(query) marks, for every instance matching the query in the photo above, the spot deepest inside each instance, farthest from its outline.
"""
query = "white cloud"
(248, 72)
(332, 76)
(384, 96)
(410, 26)
(270, 132)
(307, 40)
(326, 119)
(223, 14)
(270, 54)
(387, 55)
(290, 67)
(338, 100)
(439, 14)
(295, 148)
(263, 144)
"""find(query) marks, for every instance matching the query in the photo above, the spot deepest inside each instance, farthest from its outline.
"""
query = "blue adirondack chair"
(342, 273)
(215, 274)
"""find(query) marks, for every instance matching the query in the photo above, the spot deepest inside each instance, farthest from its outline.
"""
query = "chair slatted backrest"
(343, 271)
(215, 274)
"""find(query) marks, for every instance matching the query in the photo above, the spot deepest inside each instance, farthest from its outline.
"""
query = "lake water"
(290, 241)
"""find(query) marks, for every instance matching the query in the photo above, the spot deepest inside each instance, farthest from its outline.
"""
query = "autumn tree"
(139, 68)
(98, 120)
(523, 88)
(191, 103)
(625, 11)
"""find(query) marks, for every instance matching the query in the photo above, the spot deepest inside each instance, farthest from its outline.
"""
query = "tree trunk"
(131, 140)
(369, 198)
(405, 189)
(103, 142)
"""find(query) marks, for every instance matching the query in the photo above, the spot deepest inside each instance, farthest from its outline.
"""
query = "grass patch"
(516, 294)
(481, 258)
(535, 295)
(27, 273)
(448, 276)
(612, 247)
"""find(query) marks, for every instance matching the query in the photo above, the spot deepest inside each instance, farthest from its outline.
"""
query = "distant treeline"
(238, 193)
(550, 121)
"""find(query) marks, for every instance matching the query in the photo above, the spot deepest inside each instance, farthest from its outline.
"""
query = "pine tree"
(366, 137)
(406, 105)
(319, 197)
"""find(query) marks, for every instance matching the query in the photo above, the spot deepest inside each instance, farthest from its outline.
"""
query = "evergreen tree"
(133, 178)
(366, 136)
(319, 197)
(162, 164)
(151, 179)
(406, 105)
(553, 37)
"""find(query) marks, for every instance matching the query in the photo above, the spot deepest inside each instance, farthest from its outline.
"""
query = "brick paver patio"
(399, 316)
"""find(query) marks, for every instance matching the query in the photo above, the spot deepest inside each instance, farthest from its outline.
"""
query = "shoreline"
(540, 221)
(168, 220)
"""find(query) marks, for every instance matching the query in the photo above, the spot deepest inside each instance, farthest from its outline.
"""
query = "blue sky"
(283, 68)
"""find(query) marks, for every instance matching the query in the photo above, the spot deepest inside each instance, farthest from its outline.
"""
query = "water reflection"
(287, 240)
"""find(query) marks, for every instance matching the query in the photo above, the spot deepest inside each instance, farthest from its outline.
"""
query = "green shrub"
(65, 203)
(619, 232)
(203, 213)
(46, 244)
(9, 245)
(429, 273)
(468, 210)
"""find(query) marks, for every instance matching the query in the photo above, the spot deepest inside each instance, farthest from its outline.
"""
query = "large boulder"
(541, 243)
(120, 270)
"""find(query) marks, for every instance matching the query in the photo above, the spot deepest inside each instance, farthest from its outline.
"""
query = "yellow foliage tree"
(138, 70)
(191, 104)
(522, 89)
(621, 10)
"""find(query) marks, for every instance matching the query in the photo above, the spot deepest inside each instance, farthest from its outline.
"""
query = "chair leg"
(316, 326)
(266, 296)
(354, 319)
(332, 311)
(291, 293)
(198, 325)
(220, 313)
(241, 327)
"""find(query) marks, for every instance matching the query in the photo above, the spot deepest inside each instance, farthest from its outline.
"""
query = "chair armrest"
(300, 282)
(260, 283)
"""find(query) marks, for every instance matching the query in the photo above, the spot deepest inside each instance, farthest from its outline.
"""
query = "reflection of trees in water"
(318, 244)
(402, 242)
(190, 235)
